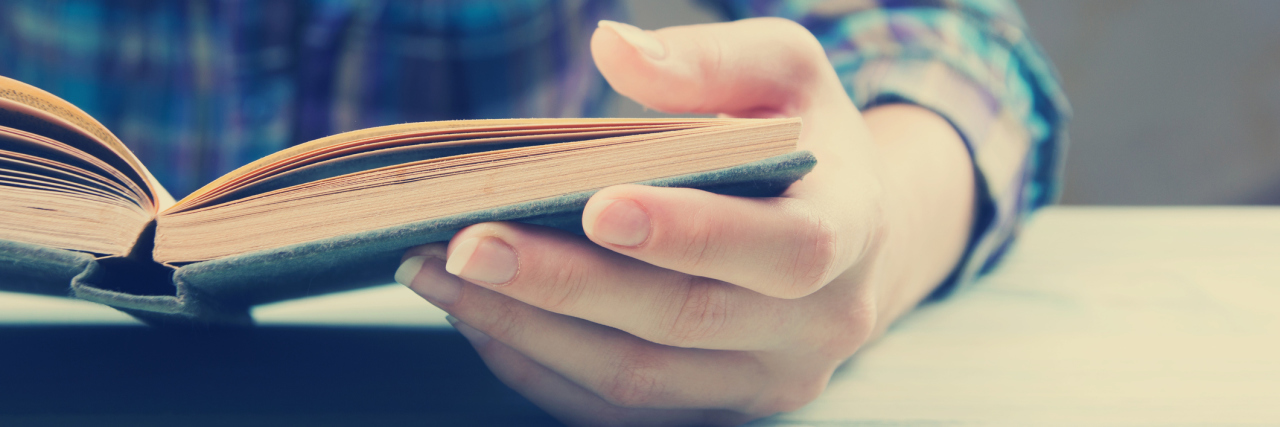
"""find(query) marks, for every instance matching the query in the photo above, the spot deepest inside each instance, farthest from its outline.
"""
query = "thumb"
(753, 67)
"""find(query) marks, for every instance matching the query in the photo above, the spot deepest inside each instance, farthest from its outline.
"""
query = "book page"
(439, 187)
(55, 195)
(49, 150)
(368, 154)
(20, 101)
(356, 139)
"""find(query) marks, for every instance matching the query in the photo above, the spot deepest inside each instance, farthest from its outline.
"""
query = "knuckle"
(799, 41)
(852, 328)
(634, 380)
(565, 289)
(700, 82)
(506, 322)
(712, 59)
(812, 257)
(699, 246)
(843, 344)
(701, 313)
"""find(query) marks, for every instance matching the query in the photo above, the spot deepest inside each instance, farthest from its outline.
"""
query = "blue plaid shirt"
(198, 88)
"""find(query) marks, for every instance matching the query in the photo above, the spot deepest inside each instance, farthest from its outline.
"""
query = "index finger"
(780, 247)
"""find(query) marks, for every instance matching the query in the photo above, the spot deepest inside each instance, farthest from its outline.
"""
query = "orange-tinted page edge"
(69, 116)
(417, 130)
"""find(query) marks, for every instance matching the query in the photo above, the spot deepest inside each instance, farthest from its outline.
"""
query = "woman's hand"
(687, 307)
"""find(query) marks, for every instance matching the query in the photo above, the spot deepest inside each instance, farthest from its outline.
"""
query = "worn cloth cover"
(221, 291)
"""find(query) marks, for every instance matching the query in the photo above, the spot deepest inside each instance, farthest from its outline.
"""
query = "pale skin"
(686, 307)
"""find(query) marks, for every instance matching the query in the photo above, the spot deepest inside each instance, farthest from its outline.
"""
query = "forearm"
(929, 199)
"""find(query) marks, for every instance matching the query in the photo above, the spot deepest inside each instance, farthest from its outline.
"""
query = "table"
(1100, 316)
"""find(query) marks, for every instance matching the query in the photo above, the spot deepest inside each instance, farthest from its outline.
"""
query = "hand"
(687, 307)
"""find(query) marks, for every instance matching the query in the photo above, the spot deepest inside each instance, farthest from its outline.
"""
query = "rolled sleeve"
(971, 62)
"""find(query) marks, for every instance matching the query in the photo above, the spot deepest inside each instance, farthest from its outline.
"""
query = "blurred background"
(1176, 101)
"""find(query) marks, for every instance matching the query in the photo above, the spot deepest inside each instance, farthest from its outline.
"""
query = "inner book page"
(55, 195)
(325, 159)
(30, 109)
(366, 139)
(439, 187)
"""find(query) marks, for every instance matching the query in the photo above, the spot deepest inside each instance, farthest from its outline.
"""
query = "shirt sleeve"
(973, 63)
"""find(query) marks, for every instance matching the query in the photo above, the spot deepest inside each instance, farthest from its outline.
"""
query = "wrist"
(927, 175)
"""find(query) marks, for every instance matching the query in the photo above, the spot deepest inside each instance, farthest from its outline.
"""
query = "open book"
(81, 216)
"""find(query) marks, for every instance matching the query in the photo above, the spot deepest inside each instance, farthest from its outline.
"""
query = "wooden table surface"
(1100, 316)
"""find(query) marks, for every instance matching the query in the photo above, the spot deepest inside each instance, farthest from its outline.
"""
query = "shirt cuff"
(1009, 122)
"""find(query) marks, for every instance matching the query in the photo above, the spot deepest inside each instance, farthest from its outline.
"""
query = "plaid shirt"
(198, 88)
(972, 62)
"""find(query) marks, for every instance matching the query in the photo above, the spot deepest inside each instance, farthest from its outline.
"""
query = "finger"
(755, 67)
(780, 247)
(569, 402)
(570, 275)
(624, 370)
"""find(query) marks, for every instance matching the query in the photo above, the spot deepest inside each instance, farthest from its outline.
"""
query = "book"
(80, 215)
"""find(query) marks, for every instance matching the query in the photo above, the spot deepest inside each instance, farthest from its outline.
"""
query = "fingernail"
(473, 335)
(623, 222)
(642, 40)
(427, 277)
(483, 259)
(408, 270)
